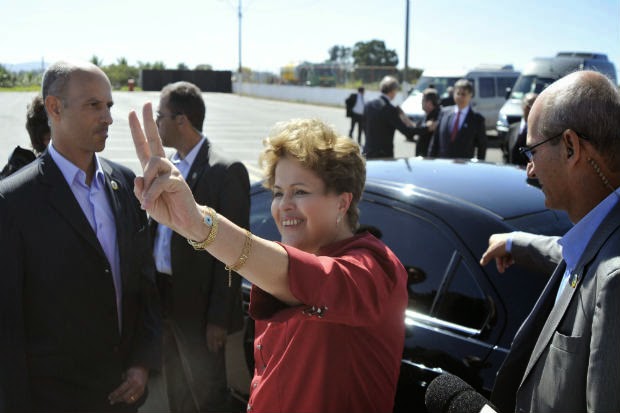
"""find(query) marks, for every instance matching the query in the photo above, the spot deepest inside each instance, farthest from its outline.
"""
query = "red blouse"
(341, 350)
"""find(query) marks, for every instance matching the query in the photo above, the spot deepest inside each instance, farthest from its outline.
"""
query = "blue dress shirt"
(575, 241)
(161, 251)
(97, 210)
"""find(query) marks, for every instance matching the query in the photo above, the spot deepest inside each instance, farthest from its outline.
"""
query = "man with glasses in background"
(565, 355)
(201, 299)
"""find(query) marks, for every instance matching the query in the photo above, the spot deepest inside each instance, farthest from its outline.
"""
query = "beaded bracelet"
(245, 253)
(211, 220)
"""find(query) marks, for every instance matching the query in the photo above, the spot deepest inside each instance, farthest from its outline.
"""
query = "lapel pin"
(114, 185)
(574, 280)
(194, 175)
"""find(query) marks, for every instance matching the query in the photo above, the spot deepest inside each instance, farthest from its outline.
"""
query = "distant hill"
(25, 67)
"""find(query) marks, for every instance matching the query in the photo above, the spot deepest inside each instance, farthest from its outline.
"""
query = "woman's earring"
(338, 220)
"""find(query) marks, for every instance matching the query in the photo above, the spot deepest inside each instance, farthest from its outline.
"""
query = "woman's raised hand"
(162, 191)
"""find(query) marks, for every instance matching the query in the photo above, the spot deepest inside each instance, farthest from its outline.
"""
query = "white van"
(540, 72)
(490, 83)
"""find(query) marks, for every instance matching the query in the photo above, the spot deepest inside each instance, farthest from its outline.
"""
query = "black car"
(437, 216)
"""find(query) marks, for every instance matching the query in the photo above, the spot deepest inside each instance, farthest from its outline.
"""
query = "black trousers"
(359, 120)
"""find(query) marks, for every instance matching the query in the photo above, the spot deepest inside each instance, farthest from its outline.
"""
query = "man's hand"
(162, 191)
(132, 388)
(497, 251)
(216, 337)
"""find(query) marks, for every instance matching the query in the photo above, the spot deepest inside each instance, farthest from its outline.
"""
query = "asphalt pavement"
(236, 125)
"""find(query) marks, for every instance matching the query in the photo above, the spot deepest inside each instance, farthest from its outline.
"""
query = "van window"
(503, 83)
(487, 87)
(530, 83)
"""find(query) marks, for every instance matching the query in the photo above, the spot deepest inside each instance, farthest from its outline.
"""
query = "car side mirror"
(508, 92)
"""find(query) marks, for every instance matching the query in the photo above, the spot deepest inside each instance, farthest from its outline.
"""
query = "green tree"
(155, 65)
(96, 61)
(120, 72)
(7, 79)
(203, 67)
(374, 53)
(182, 66)
(339, 54)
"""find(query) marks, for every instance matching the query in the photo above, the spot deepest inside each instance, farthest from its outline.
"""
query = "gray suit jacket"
(565, 357)
(537, 253)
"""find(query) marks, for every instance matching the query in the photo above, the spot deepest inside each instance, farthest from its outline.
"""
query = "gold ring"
(132, 398)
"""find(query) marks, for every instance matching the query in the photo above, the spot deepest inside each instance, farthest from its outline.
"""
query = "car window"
(462, 302)
(429, 257)
(487, 87)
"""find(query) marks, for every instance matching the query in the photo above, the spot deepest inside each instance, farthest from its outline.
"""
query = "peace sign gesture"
(162, 191)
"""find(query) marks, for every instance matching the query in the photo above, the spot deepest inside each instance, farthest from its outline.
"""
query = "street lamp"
(406, 69)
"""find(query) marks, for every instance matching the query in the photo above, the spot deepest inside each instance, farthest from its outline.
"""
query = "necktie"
(455, 128)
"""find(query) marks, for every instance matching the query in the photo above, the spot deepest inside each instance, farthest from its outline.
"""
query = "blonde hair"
(337, 160)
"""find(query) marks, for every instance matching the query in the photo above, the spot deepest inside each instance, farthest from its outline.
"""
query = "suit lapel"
(466, 121)
(607, 227)
(62, 199)
(201, 163)
(114, 190)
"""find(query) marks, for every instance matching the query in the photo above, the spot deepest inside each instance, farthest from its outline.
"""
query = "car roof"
(502, 190)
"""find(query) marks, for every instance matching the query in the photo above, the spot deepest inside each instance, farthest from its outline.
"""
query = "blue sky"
(444, 34)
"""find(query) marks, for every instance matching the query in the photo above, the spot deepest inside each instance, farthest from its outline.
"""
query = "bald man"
(565, 356)
(79, 326)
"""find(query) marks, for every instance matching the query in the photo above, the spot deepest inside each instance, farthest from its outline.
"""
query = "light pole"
(239, 15)
(406, 69)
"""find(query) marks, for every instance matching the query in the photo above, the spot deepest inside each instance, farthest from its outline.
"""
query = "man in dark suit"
(382, 120)
(460, 131)
(202, 300)
(430, 106)
(355, 111)
(565, 357)
(517, 133)
(80, 324)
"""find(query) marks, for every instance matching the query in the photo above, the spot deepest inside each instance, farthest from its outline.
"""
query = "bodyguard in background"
(202, 300)
(517, 133)
(79, 314)
(430, 106)
(460, 131)
(355, 110)
(382, 120)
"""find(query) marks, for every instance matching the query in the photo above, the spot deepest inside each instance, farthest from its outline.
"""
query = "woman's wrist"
(199, 230)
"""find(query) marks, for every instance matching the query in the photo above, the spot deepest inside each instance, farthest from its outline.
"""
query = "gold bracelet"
(245, 253)
(210, 219)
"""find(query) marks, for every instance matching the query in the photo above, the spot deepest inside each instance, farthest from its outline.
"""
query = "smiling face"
(305, 214)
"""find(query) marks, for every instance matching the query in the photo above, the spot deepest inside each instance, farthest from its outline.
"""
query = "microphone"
(449, 394)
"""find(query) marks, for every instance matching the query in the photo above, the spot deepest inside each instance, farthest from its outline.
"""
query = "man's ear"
(53, 106)
(573, 146)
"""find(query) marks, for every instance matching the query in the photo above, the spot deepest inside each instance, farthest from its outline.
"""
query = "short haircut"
(360, 89)
(588, 103)
(37, 124)
(56, 78)
(186, 98)
(464, 84)
(337, 160)
(431, 95)
(388, 84)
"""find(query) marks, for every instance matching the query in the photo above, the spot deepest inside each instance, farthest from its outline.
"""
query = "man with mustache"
(80, 324)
